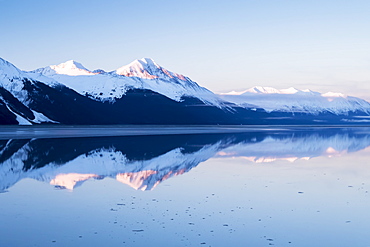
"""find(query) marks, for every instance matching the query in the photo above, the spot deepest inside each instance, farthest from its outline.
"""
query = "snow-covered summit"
(144, 68)
(147, 68)
(71, 68)
(8, 70)
(296, 100)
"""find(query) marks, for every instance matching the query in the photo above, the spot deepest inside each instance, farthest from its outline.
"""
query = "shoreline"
(69, 131)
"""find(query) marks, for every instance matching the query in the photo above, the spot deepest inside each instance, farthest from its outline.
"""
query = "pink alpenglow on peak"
(147, 68)
(139, 180)
(138, 68)
(135, 179)
(70, 180)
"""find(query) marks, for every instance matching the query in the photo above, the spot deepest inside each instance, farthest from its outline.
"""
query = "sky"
(223, 45)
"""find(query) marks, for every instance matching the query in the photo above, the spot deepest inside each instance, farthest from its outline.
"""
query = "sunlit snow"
(295, 100)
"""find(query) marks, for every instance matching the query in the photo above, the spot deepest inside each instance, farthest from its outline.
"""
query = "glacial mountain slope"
(298, 101)
(140, 74)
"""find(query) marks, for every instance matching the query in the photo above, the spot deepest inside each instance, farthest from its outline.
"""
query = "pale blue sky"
(223, 45)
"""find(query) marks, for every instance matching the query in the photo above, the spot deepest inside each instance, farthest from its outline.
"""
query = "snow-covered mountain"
(144, 92)
(140, 93)
(140, 74)
(297, 101)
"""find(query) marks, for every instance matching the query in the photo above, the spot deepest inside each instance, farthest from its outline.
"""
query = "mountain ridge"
(143, 92)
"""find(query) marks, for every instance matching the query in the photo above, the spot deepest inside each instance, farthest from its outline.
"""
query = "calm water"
(281, 187)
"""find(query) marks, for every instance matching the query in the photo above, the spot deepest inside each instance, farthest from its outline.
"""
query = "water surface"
(260, 187)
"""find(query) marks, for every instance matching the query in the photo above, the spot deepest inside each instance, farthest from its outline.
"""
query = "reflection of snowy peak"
(142, 163)
(98, 164)
(295, 100)
(293, 147)
(163, 167)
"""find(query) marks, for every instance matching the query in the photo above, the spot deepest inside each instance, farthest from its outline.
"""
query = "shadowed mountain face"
(143, 162)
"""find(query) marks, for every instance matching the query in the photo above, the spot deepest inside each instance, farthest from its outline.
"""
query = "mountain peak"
(72, 68)
(144, 68)
(148, 61)
(147, 68)
(72, 64)
(290, 90)
(8, 69)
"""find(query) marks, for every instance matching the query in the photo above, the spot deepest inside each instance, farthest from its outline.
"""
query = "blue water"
(281, 187)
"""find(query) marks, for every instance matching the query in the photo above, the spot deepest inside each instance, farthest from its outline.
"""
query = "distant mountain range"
(143, 162)
(297, 101)
(144, 92)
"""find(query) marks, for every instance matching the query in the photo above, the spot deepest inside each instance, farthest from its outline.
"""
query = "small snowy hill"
(295, 100)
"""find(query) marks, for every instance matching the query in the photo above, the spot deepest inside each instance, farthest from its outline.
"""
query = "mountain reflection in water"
(143, 162)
